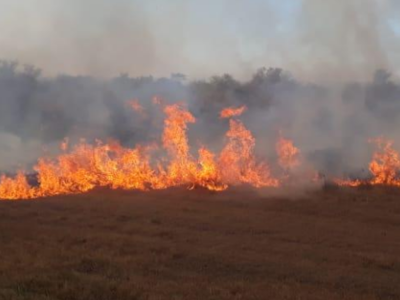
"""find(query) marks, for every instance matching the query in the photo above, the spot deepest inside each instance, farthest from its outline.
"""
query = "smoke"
(336, 85)
(330, 124)
(345, 39)
(316, 40)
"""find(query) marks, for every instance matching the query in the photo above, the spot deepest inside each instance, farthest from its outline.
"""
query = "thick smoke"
(330, 124)
(330, 40)
(333, 90)
(346, 40)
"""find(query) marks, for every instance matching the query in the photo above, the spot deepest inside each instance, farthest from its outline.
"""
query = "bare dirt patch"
(336, 244)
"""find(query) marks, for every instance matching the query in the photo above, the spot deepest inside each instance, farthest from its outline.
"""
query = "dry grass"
(337, 244)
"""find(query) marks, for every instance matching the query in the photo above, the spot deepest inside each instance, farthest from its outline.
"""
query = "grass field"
(114, 245)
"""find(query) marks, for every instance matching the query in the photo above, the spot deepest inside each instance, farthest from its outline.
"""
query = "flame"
(232, 112)
(64, 144)
(84, 166)
(348, 182)
(135, 105)
(17, 188)
(182, 168)
(210, 175)
(384, 166)
(385, 163)
(287, 152)
(237, 161)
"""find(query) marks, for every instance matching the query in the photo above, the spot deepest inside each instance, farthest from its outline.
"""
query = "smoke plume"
(335, 86)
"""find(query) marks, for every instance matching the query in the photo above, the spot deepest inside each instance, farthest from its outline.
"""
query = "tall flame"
(181, 169)
(85, 166)
(237, 159)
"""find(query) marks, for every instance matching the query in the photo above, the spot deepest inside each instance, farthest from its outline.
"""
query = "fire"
(182, 168)
(287, 152)
(237, 161)
(84, 166)
(385, 163)
(17, 188)
(232, 112)
(135, 105)
(210, 175)
(384, 167)
(348, 182)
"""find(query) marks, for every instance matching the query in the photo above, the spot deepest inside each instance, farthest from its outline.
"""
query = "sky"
(312, 39)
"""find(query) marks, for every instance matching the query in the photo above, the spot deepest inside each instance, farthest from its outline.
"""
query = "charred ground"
(336, 244)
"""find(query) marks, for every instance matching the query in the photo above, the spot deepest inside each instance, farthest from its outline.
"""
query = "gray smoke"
(336, 85)
(330, 40)
(330, 124)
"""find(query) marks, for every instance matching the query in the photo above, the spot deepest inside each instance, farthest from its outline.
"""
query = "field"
(177, 244)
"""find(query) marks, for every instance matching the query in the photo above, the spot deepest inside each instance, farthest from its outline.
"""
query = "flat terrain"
(337, 244)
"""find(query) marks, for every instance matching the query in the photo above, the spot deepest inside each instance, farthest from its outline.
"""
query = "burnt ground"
(337, 244)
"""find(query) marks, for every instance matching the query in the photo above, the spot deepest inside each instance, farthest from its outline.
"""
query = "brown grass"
(336, 244)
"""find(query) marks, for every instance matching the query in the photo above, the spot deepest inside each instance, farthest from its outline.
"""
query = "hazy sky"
(311, 38)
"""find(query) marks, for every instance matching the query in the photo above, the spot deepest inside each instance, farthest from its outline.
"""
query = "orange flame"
(209, 176)
(83, 167)
(135, 105)
(232, 112)
(17, 188)
(384, 167)
(287, 152)
(385, 163)
(237, 159)
(181, 168)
